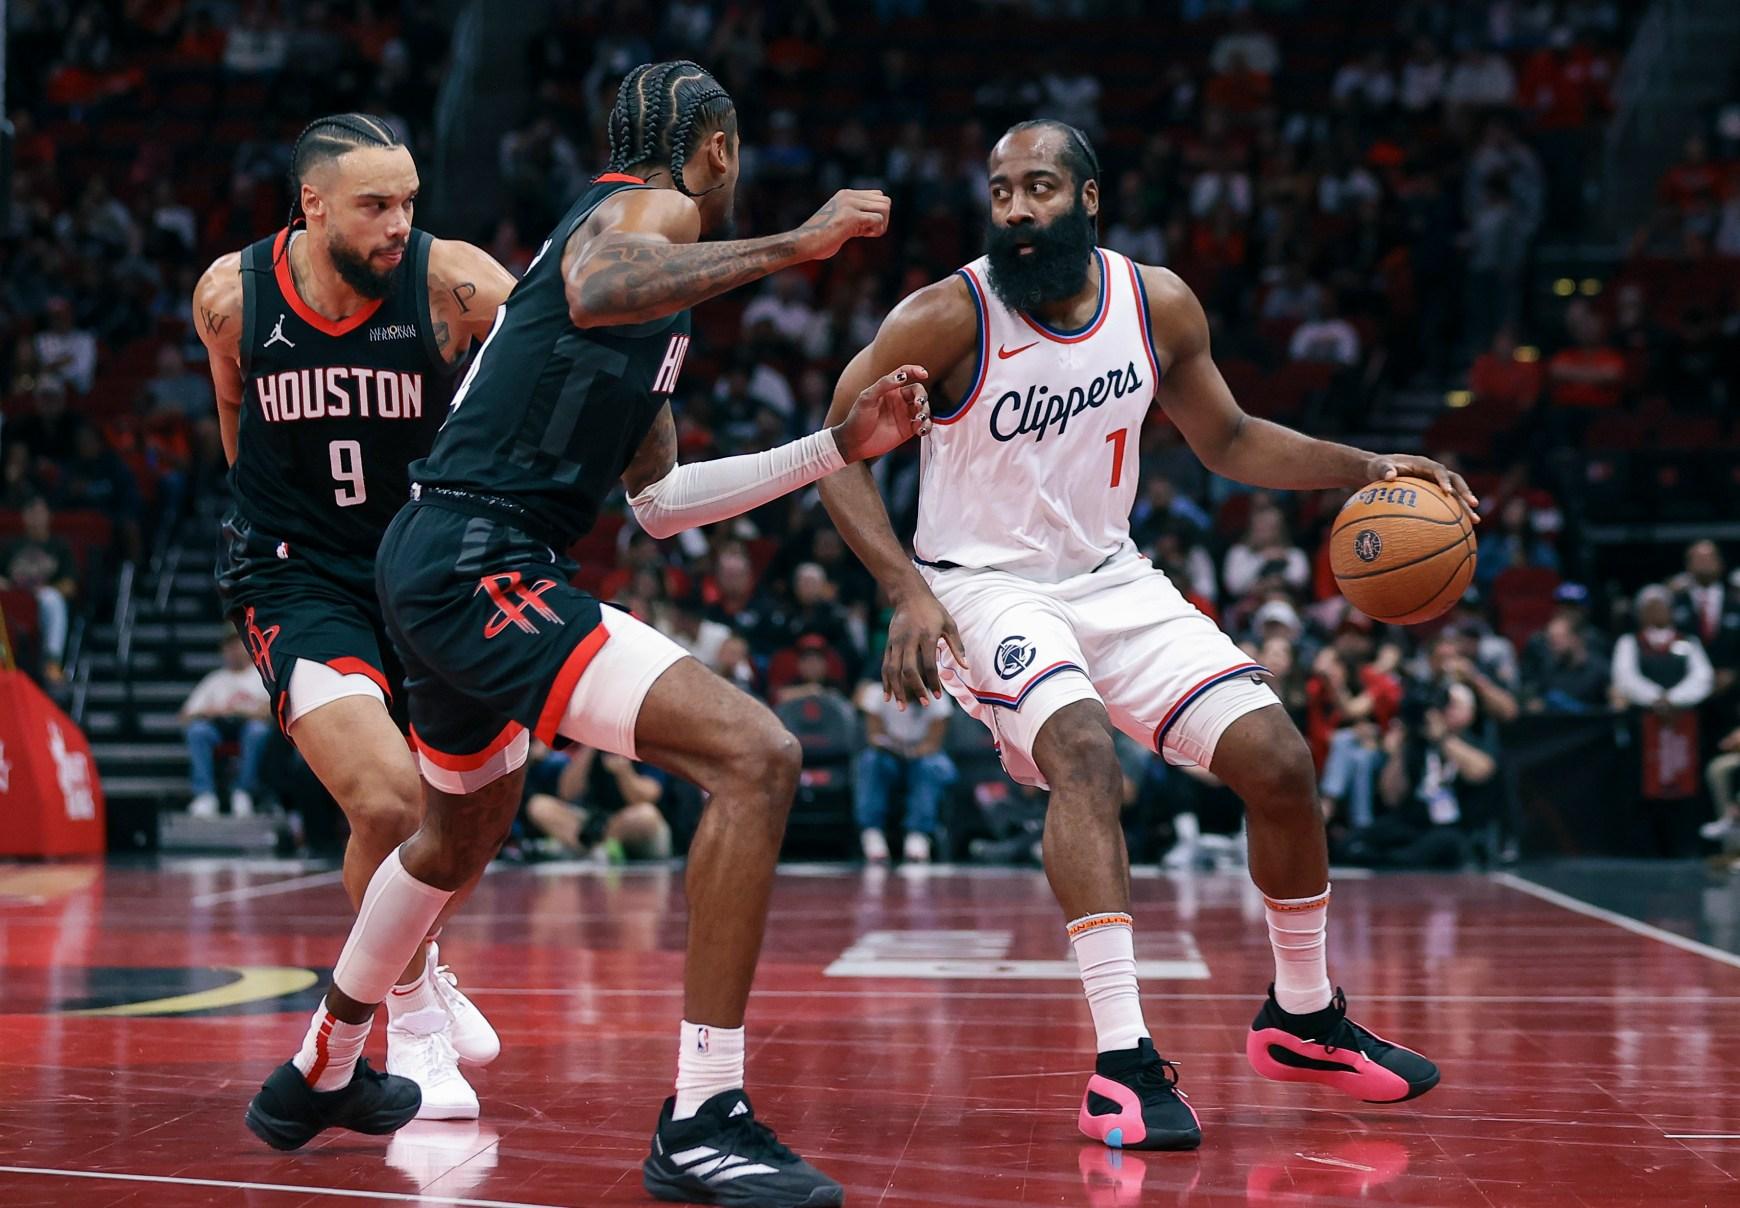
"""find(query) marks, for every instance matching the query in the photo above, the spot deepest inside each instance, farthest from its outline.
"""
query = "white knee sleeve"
(397, 912)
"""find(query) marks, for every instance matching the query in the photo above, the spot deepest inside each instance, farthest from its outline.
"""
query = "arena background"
(1504, 233)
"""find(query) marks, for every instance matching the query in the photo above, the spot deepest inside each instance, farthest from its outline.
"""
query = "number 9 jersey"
(332, 415)
(333, 412)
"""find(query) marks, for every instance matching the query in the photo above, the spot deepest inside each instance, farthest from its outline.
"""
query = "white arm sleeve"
(708, 491)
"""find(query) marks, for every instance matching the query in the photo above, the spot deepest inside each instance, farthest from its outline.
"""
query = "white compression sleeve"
(707, 491)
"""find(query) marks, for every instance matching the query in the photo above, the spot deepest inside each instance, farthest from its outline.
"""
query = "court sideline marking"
(264, 891)
(411, 1197)
(1649, 930)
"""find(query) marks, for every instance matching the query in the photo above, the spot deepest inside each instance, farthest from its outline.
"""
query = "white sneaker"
(1717, 830)
(428, 1059)
(917, 848)
(203, 806)
(875, 845)
(241, 804)
(472, 1036)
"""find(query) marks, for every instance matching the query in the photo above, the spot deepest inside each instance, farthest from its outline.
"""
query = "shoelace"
(444, 1060)
(1160, 1074)
(758, 1139)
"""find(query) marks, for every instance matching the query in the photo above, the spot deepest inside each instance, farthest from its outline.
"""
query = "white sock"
(1296, 927)
(397, 912)
(709, 1062)
(414, 1005)
(1105, 948)
(329, 1052)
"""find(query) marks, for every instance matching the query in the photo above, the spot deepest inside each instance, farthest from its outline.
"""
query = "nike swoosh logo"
(1004, 353)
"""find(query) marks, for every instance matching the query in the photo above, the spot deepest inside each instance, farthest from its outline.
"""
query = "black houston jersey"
(550, 414)
(333, 413)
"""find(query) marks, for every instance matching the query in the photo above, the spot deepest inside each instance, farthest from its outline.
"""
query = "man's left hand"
(1387, 467)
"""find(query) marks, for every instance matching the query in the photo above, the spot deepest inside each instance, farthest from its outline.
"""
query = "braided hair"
(662, 112)
(327, 138)
(1078, 154)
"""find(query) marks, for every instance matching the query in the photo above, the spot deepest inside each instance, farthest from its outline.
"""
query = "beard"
(357, 272)
(1056, 268)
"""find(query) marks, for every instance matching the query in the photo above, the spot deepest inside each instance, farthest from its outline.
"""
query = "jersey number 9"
(347, 471)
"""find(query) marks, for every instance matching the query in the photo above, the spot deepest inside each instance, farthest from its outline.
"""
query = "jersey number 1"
(347, 471)
(1116, 440)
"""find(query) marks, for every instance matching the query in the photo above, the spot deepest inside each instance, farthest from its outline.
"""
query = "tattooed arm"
(636, 258)
(217, 316)
(466, 287)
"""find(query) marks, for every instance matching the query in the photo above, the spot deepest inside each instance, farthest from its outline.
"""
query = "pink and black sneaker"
(1327, 1047)
(1133, 1102)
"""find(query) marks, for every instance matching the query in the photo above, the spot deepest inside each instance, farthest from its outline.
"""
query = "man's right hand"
(848, 214)
(909, 672)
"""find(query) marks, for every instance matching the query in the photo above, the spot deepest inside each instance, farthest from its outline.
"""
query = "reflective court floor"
(920, 1036)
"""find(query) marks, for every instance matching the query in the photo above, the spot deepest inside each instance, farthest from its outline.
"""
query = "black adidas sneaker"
(287, 1113)
(724, 1155)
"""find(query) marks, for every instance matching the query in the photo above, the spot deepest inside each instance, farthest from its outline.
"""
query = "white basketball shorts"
(1121, 635)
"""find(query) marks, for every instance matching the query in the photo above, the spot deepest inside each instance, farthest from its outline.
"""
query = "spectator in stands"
(1571, 678)
(1707, 604)
(901, 747)
(1434, 768)
(1136, 234)
(1658, 667)
(590, 803)
(814, 610)
(1503, 154)
(51, 430)
(18, 481)
(1501, 380)
(175, 390)
(1177, 549)
(228, 705)
(65, 350)
(41, 563)
(738, 604)
(1161, 505)
(1350, 682)
(1265, 557)
(1248, 44)
(1496, 243)
(1295, 297)
(1589, 373)
(1423, 77)
(781, 311)
(847, 323)
(1513, 542)
(1365, 83)
(257, 45)
(815, 675)
(1481, 80)
(1325, 337)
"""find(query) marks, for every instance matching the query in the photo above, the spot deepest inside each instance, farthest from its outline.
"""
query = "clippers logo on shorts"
(1368, 545)
(1014, 655)
(512, 611)
(259, 643)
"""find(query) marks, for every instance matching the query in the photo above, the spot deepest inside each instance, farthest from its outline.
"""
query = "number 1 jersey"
(333, 412)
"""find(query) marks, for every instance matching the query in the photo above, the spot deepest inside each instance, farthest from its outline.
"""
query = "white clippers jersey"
(1034, 472)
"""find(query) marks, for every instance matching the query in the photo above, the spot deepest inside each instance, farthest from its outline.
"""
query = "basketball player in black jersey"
(569, 394)
(334, 345)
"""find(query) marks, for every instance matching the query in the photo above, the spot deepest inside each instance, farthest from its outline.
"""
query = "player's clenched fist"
(848, 214)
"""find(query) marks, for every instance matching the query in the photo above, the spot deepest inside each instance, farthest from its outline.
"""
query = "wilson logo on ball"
(1406, 497)
(1367, 545)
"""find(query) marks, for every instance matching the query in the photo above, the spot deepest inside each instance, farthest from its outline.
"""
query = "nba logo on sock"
(702, 1040)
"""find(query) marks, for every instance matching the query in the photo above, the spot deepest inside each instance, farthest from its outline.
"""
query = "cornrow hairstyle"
(327, 138)
(662, 111)
(1078, 154)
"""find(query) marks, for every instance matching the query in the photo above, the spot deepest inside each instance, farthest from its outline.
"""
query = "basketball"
(1403, 552)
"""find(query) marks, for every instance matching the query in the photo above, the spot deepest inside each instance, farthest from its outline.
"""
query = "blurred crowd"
(1357, 205)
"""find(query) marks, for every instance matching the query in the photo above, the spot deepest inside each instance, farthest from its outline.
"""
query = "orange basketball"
(1403, 551)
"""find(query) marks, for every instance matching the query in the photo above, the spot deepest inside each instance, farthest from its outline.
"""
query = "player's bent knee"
(386, 816)
(1075, 751)
(1283, 781)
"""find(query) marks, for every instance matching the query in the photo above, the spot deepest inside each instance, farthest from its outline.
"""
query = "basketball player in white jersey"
(1031, 606)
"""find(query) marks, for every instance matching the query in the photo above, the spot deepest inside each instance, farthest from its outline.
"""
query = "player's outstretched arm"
(217, 317)
(466, 288)
(636, 259)
(668, 498)
(936, 327)
(1242, 447)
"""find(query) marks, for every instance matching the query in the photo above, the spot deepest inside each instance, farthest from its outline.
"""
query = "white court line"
(926, 995)
(275, 887)
(1579, 906)
(1702, 1136)
(407, 1197)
